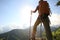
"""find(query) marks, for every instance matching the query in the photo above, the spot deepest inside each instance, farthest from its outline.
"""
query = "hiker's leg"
(47, 29)
(35, 27)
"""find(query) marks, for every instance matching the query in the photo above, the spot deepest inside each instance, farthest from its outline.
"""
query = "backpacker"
(44, 8)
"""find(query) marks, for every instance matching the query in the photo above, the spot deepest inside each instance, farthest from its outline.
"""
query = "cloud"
(1, 30)
(55, 19)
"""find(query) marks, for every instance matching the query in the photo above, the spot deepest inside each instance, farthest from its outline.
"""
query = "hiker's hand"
(50, 15)
(31, 12)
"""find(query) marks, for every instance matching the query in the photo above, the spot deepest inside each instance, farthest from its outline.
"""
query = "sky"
(16, 13)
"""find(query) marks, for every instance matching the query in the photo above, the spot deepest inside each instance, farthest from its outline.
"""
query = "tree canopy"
(58, 3)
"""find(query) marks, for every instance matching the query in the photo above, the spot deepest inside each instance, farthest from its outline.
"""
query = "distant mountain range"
(19, 34)
(15, 34)
(8, 28)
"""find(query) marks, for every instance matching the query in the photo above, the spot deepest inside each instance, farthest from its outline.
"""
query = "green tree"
(56, 34)
(58, 3)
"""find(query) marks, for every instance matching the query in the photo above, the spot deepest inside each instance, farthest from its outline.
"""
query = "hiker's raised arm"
(34, 10)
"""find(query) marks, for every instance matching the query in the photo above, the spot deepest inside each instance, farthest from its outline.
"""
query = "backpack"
(44, 8)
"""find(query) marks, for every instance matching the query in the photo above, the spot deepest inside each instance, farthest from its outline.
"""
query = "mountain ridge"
(18, 34)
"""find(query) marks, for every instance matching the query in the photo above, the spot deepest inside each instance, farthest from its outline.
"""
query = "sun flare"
(25, 15)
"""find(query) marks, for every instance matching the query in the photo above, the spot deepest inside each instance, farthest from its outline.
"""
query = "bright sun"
(25, 15)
